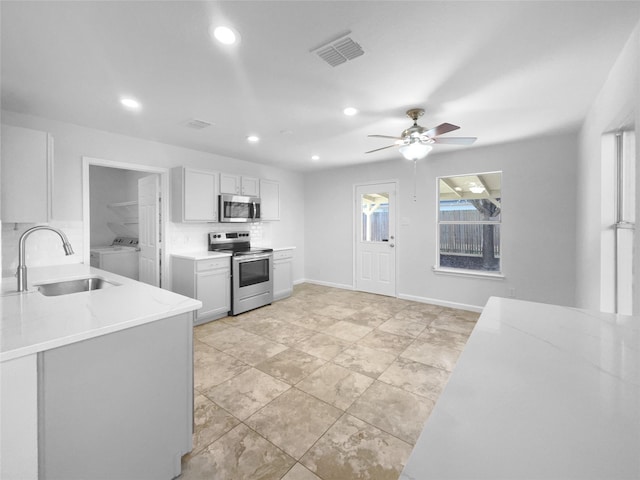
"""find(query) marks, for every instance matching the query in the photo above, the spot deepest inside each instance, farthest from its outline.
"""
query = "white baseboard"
(325, 284)
(441, 303)
(414, 298)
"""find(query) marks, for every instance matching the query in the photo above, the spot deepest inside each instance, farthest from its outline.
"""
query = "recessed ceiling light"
(476, 189)
(315, 158)
(130, 103)
(350, 111)
(253, 138)
(225, 35)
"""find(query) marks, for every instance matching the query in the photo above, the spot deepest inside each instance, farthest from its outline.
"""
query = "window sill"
(468, 273)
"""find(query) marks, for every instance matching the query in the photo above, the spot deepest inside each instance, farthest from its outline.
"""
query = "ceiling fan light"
(225, 35)
(415, 151)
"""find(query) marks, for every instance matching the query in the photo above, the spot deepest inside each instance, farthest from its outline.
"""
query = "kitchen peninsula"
(540, 391)
(95, 384)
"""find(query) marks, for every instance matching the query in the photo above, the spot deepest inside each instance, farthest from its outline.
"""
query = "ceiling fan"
(416, 141)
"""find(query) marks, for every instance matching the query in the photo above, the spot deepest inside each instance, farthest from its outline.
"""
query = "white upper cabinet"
(27, 173)
(238, 185)
(195, 195)
(250, 186)
(230, 184)
(270, 200)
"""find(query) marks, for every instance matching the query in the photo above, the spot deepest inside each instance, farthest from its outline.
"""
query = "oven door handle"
(247, 258)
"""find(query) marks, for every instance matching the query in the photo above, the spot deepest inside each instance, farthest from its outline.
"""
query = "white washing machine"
(120, 257)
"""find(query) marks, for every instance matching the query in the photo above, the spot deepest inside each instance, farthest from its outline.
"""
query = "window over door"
(375, 217)
(469, 220)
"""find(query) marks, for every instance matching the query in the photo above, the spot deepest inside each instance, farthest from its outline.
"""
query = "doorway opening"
(124, 201)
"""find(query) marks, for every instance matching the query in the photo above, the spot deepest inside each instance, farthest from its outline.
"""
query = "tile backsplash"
(186, 237)
(42, 248)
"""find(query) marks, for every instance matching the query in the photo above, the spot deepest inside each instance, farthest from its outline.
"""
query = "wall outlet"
(511, 292)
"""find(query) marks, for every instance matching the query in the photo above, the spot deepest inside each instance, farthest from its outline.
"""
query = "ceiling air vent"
(197, 124)
(339, 51)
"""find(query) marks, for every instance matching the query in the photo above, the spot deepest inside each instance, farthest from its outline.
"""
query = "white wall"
(72, 142)
(538, 230)
(616, 107)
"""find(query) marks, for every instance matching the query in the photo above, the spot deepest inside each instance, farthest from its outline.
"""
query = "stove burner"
(236, 243)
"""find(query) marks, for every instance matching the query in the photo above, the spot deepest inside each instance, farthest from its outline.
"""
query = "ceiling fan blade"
(384, 136)
(456, 140)
(383, 148)
(440, 130)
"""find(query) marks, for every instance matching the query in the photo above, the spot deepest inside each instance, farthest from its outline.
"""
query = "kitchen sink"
(66, 287)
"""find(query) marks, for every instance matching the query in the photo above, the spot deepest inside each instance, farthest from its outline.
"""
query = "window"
(375, 217)
(469, 218)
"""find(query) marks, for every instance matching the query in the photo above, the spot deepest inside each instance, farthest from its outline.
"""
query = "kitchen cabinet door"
(238, 185)
(282, 274)
(270, 200)
(27, 172)
(207, 280)
(230, 184)
(119, 405)
(195, 195)
(213, 289)
(19, 418)
(250, 186)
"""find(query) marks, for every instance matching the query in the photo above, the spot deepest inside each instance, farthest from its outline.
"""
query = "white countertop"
(200, 255)
(539, 392)
(32, 322)
(205, 255)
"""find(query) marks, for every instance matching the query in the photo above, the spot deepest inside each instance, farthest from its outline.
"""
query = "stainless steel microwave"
(239, 208)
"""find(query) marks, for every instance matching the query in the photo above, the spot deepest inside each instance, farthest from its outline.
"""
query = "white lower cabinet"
(120, 405)
(116, 406)
(207, 280)
(282, 274)
(19, 418)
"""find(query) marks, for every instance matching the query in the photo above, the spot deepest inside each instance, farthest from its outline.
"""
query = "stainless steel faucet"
(22, 267)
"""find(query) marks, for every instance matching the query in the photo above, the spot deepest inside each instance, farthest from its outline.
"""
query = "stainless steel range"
(251, 270)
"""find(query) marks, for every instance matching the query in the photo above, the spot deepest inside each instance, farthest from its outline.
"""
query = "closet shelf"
(126, 211)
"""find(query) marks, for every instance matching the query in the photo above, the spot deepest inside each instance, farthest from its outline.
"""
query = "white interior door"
(149, 229)
(375, 242)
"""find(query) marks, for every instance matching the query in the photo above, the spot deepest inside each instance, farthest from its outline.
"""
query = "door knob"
(392, 245)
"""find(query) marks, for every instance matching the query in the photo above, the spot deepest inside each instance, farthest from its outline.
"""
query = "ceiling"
(469, 187)
(502, 70)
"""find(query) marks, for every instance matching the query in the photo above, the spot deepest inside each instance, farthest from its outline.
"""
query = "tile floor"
(328, 384)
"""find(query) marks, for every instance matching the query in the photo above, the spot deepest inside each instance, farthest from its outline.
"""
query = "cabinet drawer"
(211, 264)
(283, 254)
